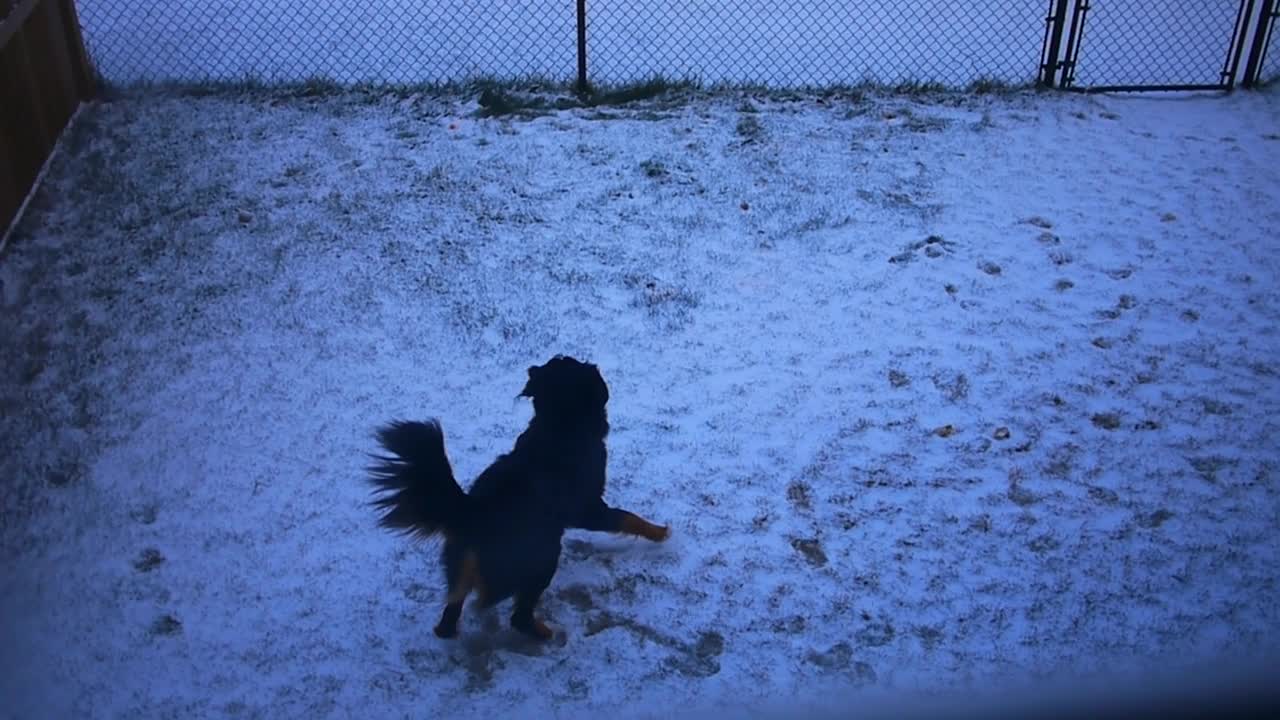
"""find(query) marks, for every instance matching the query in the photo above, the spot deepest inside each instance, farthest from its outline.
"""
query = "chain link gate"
(1136, 45)
(1256, 71)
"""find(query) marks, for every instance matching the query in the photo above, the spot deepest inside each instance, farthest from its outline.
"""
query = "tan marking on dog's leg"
(633, 524)
(468, 580)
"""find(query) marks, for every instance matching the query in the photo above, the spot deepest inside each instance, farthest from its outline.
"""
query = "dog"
(502, 539)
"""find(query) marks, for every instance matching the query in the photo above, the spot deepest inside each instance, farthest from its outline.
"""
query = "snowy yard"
(935, 392)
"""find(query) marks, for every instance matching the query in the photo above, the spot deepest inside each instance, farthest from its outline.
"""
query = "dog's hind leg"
(602, 518)
(448, 625)
(522, 618)
(524, 621)
(461, 583)
(543, 560)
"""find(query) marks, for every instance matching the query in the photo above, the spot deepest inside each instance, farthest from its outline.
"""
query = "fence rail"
(44, 75)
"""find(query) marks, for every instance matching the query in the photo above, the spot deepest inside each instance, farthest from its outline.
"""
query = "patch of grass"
(145, 514)
(166, 625)
(654, 168)
(1043, 543)
(64, 476)
(149, 560)
(989, 86)
(645, 90)
(749, 128)
(924, 124)
(876, 634)
(954, 388)
(1155, 519)
(324, 87)
(1106, 421)
(535, 96)
(245, 85)
(800, 494)
(313, 87)
(500, 102)
(316, 87)
(1208, 466)
(918, 87)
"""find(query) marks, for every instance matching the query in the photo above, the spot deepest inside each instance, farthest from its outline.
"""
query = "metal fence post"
(1075, 37)
(1236, 48)
(1055, 24)
(1261, 34)
(582, 46)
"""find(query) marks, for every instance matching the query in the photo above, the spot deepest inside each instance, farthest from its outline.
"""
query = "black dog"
(503, 538)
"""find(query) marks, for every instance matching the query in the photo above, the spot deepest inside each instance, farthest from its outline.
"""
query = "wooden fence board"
(44, 75)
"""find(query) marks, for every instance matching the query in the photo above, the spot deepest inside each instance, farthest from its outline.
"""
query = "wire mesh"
(1145, 43)
(343, 41)
(766, 42)
(777, 43)
(816, 42)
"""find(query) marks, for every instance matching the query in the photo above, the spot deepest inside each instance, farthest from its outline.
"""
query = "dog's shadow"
(481, 649)
(495, 635)
(481, 652)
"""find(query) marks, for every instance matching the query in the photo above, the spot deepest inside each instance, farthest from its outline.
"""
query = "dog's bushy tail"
(417, 492)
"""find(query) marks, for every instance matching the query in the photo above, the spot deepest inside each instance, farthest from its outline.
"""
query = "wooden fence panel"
(51, 64)
(44, 75)
(10, 198)
(19, 123)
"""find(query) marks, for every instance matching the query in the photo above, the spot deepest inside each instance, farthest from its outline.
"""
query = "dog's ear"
(534, 385)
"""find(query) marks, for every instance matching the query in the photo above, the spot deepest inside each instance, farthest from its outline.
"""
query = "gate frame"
(1064, 65)
(1268, 12)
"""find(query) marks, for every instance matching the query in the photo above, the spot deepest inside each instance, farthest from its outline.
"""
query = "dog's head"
(566, 389)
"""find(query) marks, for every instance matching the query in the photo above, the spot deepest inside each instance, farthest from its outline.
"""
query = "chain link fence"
(775, 43)
(764, 42)
(816, 42)
(343, 41)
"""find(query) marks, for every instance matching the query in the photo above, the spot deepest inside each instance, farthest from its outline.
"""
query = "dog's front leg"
(602, 518)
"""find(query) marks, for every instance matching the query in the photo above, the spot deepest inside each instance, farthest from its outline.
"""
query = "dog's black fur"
(502, 539)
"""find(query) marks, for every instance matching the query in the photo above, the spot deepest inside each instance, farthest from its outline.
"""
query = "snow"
(818, 316)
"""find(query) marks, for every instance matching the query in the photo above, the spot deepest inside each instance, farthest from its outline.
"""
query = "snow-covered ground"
(936, 392)
(782, 44)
